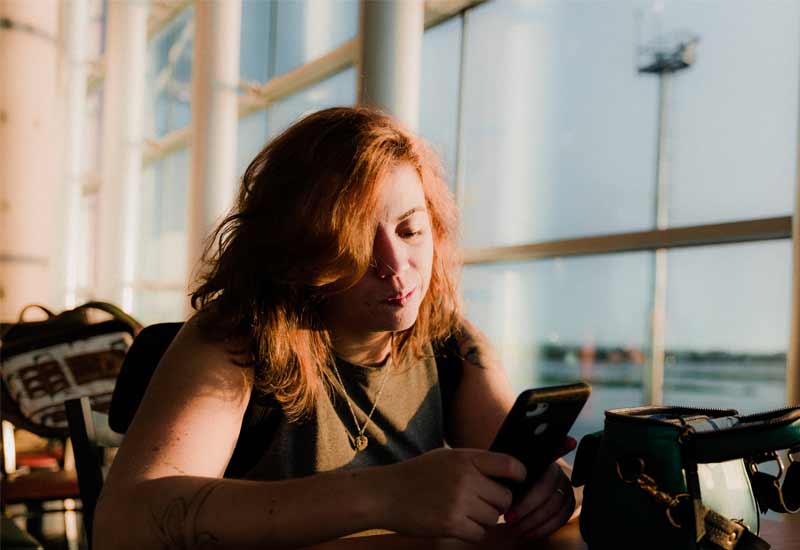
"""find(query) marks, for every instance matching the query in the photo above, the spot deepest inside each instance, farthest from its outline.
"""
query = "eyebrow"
(408, 213)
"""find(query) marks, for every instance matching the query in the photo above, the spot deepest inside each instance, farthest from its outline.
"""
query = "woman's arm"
(484, 394)
(164, 488)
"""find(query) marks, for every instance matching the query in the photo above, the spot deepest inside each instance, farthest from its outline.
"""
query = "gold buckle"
(723, 532)
(649, 486)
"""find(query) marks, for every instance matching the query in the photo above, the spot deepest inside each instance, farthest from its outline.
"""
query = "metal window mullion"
(762, 229)
(154, 26)
(279, 87)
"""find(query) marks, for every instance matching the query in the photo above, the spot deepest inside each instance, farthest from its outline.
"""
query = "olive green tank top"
(408, 421)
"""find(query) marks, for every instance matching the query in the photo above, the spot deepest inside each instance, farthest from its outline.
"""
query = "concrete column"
(76, 70)
(215, 77)
(122, 146)
(391, 57)
(30, 149)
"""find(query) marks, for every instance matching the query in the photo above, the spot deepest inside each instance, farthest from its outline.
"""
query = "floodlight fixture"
(669, 53)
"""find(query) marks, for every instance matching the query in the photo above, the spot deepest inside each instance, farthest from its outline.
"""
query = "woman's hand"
(449, 493)
(546, 506)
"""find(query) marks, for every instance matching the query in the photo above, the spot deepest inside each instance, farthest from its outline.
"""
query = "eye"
(410, 233)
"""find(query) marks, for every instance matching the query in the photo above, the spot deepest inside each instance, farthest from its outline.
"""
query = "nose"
(390, 255)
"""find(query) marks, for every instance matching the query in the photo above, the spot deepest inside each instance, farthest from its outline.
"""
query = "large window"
(161, 263)
(733, 117)
(558, 320)
(558, 149)
(276, 37)
(308, 29)
(170, 75)
(557, 130)
(439, 91)
(727, 327)
(551, 140)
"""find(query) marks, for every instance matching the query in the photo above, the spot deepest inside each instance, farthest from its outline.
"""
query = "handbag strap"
(21, 318)
(771, 494)
(114, 311)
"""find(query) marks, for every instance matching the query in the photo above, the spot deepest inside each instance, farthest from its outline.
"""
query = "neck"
(365, 350)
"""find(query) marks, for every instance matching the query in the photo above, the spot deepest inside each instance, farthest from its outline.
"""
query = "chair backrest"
(92, 432)
(137, 369)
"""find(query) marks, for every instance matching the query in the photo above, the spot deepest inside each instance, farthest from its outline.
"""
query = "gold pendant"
(361, 442)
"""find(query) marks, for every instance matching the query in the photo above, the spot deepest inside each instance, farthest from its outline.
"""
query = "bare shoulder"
(189, 419)
(203, 365)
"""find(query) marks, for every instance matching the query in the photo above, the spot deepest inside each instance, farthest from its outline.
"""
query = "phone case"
(536, 427)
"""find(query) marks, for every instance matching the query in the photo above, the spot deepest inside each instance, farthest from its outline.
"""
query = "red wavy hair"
(301, 230)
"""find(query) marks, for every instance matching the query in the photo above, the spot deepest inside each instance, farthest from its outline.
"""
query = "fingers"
(483, 513)
(538, 494)
(497, 495)
(499, 465)
(557, 508)
(545, 508)
(551, 524)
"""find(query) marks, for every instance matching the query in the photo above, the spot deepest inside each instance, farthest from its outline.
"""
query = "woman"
(331, 283)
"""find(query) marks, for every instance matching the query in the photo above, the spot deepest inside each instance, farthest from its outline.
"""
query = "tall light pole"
(666, 56)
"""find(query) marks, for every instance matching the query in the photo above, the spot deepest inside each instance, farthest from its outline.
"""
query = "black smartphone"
(536, 427)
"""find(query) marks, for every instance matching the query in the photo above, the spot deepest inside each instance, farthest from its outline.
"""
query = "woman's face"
(388, 297)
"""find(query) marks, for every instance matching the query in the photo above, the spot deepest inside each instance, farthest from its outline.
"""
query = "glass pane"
(158, 306)
(162, 245)
(560, 320)
(339, 89)
(728, 326)
(93, 131)
(87, 244)
(308, 29)
(256, 40)
(557, 131)
(438, 110)
(733, 115)
(169, 76)
(252, 137)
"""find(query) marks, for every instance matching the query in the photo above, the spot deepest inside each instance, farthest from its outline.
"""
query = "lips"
(400, 298)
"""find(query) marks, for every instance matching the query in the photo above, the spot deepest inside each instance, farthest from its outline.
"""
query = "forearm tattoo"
(176, 526)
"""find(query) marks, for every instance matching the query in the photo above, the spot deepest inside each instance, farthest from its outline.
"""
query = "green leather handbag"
(686, 478)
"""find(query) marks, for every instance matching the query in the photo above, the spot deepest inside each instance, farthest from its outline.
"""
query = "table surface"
(782, 535)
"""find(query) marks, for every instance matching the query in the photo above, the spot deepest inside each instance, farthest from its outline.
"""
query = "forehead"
(400, 190)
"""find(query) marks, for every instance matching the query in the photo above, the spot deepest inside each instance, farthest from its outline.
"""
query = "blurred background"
(626, 169)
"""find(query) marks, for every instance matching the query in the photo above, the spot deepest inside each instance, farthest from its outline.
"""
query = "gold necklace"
(360, 441)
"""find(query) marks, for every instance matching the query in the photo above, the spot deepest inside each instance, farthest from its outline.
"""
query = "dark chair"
(92, 432)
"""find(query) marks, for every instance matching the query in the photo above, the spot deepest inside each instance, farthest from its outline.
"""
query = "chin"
(400, 322)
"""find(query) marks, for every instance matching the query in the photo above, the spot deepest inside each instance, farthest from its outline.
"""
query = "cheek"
(426, 267)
